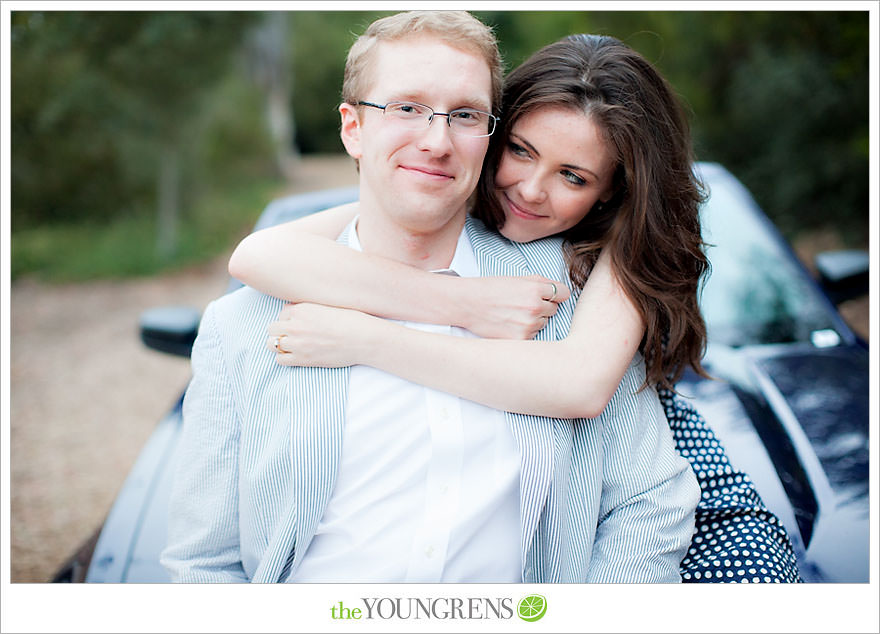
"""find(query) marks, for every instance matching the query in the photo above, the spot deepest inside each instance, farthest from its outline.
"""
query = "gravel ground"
(85, 393)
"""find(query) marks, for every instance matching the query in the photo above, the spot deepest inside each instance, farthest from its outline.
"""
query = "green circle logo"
(532, 608)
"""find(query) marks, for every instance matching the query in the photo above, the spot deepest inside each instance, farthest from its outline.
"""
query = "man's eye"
(470, 118)
(405, 110)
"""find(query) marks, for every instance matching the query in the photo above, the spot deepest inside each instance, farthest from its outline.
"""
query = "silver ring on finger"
(553, 296)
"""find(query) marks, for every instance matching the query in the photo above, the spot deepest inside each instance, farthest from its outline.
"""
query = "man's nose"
(438, 137)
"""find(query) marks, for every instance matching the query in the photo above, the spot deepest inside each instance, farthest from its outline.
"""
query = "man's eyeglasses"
(463, 121)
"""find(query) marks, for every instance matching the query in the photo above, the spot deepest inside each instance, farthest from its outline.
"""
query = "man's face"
(419, 179)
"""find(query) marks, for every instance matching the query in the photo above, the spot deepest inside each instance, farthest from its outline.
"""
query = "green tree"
(111, 100)
(319, 45)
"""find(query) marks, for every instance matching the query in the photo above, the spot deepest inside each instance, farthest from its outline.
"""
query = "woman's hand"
(510, 307)
(313, 335)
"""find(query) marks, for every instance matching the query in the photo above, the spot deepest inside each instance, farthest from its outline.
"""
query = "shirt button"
(444, 413)
(429, 552)
(444, 490)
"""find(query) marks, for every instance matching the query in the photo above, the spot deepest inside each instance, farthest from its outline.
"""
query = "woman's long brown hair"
(651, 225)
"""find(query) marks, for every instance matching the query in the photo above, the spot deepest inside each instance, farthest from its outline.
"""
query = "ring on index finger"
(553, 296)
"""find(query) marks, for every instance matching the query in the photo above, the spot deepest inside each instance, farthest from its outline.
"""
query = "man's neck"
(424, 249)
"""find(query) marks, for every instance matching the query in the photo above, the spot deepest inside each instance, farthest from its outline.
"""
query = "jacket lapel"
(316, 399)
(318, 419)
(533, 434)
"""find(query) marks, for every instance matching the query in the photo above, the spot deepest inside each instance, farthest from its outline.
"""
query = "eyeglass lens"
(464, 121)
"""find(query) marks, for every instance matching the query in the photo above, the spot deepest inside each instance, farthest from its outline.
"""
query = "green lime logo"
(532, 608)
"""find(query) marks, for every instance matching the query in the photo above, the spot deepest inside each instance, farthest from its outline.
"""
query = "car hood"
(827, 392)
(808, 407)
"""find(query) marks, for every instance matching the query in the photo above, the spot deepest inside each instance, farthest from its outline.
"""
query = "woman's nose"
(532, 189)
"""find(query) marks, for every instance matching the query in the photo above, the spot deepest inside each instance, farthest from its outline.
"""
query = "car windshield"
(755, 294)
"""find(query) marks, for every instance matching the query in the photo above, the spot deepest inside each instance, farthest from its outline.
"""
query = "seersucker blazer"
(606, 499)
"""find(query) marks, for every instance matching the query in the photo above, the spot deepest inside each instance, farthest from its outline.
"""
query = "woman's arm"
(571, 378)
(300, 261)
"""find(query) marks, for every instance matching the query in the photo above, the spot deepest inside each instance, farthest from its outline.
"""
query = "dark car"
(789, 399)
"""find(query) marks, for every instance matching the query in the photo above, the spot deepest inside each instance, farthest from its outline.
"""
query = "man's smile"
(433, 173)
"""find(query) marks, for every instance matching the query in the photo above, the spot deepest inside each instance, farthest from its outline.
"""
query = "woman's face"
(554, 168)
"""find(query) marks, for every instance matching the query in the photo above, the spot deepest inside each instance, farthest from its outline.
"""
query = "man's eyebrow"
(477, 104)
(474, 104)
(411, 97)
(534, 150)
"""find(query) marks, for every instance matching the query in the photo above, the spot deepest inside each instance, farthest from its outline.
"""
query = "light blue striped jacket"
(602, 500)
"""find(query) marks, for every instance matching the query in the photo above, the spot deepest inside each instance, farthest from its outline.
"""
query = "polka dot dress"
(737, 539)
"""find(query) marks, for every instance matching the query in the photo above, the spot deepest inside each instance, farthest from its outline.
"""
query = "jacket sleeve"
(649, 492)
(203, 533)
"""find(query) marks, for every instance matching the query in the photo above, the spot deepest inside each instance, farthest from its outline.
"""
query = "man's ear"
(350, 132)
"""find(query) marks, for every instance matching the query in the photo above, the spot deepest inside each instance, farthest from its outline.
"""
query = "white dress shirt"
(428, 483)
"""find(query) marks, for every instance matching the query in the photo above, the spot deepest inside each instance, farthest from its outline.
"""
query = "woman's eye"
(573, 178)
(517, 149)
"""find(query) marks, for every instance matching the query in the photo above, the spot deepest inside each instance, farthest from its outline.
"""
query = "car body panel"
(134, 532)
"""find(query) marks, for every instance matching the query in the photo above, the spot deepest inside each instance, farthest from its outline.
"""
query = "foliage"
(98, 98)
(319, 43)
(86, 250)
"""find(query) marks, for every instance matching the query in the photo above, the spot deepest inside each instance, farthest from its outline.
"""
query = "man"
(351, 474)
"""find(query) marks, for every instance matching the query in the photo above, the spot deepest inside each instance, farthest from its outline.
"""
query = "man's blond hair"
(458, 29)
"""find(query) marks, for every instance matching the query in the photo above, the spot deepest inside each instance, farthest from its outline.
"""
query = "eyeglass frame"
(492, 118)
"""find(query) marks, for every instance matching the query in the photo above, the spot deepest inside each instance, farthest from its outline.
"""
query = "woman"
(593, 147)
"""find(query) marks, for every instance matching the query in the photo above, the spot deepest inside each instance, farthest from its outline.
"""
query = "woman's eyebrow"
(531, 147)
(534, 150)
(582, 169)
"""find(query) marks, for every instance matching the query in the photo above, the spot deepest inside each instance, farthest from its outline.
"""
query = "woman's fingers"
(313, 335)
(551, 290)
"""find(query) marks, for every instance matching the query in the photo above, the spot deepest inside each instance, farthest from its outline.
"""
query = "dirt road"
(85, 395)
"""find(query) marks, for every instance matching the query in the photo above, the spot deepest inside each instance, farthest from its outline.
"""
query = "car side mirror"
(170, 329)
(843, 274)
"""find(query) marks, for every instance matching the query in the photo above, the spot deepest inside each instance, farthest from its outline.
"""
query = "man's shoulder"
(477, 229)
(490, 242)
(245, 298)
(244, 310)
